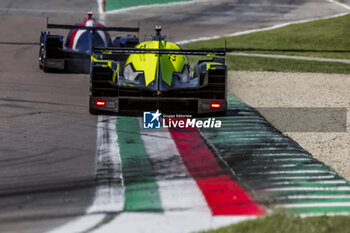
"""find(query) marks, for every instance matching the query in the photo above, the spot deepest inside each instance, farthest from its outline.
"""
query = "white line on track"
(300, 177)
(309, 182)
(338, 188)
(244, 135)
(321, 204)
(259, 30)
(100, 7)
(251, 139)
(294, 172)
(102, 15)
(284, 165)
(340, 4)
(324, 214)
(285, 160)
(233, 142)
(276, 148)
(299, 197)
(292, 159)
(108, 198)
(281, 154)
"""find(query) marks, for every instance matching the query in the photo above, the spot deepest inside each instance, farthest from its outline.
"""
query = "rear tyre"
(93, 111)
(46, 69)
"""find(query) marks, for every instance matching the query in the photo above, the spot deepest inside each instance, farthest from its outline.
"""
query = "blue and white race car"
(73, 55)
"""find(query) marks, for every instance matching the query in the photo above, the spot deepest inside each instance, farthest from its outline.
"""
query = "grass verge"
(328, 38)
(290, 224)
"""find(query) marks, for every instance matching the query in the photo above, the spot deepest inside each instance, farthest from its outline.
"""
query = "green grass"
(290, 224)
(322, 38)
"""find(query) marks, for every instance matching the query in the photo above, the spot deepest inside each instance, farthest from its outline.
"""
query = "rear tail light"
(215, 105)
(100, 103)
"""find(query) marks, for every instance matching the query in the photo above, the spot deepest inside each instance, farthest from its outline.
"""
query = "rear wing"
(118, 29)
(110, 53)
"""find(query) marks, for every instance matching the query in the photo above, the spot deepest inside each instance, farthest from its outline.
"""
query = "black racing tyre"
(47, 69)
(93, 111)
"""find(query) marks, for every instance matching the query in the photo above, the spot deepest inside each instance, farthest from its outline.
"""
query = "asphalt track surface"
(48, 139)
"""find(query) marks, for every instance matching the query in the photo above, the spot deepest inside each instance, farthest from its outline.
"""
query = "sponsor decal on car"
(156, 120)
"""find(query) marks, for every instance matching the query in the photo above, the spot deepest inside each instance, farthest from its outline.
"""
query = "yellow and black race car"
(156, 75)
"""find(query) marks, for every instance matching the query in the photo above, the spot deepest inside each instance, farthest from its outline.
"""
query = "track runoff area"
(187, 179)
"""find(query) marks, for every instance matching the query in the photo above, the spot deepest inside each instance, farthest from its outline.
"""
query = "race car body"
(156, 75)
(74, 54)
